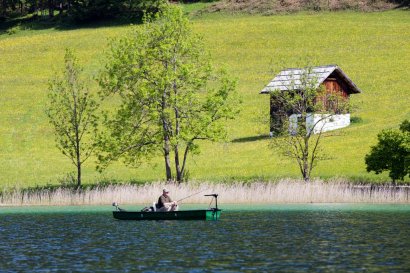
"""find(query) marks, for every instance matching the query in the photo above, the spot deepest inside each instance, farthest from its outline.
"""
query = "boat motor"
(115, 204)
(214, 195)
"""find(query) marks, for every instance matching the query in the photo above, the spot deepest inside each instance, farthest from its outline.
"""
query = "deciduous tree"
(71, 110)
(391, 153)
(304, 118)
(170, 95)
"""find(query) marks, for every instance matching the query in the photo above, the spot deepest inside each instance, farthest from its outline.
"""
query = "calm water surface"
(281, 238)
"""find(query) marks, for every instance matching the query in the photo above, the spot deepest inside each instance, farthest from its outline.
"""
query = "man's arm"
(167, 201)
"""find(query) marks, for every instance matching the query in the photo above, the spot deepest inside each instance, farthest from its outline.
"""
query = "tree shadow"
(356, 120)
(12, 25)
(401, 4)
(250, 139)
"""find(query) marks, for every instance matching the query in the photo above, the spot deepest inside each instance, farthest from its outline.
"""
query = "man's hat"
(165, 190)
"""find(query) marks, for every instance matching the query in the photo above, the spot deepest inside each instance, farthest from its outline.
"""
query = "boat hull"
(169, 215)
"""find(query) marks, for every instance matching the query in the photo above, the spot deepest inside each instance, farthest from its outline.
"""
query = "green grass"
(372, 48)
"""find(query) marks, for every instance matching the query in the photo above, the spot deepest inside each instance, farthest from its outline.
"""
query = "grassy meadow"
(372, 48)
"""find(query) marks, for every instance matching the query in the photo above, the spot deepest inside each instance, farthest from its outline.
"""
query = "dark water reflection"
(243, 241)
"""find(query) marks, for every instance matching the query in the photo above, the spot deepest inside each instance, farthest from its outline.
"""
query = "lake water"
(284, 238)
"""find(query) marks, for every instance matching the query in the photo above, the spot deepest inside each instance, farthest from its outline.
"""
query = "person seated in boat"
(165, 202)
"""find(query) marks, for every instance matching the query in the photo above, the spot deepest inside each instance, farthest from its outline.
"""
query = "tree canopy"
(391, 153)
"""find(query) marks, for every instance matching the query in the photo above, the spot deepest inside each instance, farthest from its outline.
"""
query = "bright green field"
(372, 48)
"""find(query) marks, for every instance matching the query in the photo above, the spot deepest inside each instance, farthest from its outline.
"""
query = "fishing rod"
(192, 195)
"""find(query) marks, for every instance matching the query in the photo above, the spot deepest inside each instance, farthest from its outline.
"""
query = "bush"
(392, 153)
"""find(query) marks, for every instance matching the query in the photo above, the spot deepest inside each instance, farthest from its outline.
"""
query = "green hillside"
(372, 48)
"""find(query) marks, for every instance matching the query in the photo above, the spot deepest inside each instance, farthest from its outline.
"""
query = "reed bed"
(283, 191)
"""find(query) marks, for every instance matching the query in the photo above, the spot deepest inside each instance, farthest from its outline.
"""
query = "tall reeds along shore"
(284, 191)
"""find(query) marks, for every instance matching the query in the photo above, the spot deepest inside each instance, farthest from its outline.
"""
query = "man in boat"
(165, 202)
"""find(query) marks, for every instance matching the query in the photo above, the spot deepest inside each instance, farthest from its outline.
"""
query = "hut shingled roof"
(290, 78)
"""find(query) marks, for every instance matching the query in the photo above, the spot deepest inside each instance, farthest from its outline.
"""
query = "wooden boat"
(205, 214)
(211, 214)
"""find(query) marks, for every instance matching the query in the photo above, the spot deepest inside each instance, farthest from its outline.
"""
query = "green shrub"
(392, 153)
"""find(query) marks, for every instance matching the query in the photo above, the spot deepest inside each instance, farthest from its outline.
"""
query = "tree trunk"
(177, 166)
(306, 173)
(185, 157)
(78, 155)
(4, 7)
(177, 129)
(306, 177)
(165, 129)
(168, 172)
(50, 8)
(76, 117)
(177, 126)
(78, 175)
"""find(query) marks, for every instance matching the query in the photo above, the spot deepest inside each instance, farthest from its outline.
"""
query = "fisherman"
(165, 202)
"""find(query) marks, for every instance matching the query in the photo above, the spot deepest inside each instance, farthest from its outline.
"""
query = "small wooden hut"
(330, 77)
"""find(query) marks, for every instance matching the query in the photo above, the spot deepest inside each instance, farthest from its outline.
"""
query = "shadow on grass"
(72, 186)
(402, 4)
(356, 120)
(250, 139)
(13, 25)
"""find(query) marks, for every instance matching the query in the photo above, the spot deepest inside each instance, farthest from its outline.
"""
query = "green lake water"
(257, 238)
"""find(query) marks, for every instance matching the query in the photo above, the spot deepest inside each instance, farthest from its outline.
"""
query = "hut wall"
(324, 122)
(333, 86)
(329, 122)
(277, 116)
(335, 93)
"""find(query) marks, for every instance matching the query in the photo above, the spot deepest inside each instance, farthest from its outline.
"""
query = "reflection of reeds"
(283, 191)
